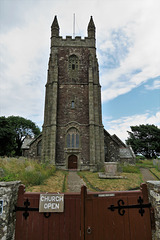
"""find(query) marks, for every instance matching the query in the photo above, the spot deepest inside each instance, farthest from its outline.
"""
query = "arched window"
(72, 138)
(72, 104)
(73, 66)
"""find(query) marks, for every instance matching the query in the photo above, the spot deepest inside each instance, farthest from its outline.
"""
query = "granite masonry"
(154, 198)
(8, 199)
(73, 135)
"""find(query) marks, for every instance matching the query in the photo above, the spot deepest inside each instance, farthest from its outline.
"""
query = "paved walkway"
(147, 175)
(74, 182)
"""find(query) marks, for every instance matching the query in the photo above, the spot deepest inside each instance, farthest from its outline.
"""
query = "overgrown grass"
(29, 172)
(130, 169)
(145, 163)
(56, 183)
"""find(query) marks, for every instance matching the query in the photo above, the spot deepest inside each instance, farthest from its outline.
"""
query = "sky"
(128, 52)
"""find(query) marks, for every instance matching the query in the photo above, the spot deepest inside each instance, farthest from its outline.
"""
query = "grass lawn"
(39, 177)
(145, 163)
(149, 164)
(156, 172)
(94, 183)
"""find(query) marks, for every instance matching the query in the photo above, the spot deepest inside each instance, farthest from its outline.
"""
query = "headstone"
(158, 165)
(2, 174)
(29, 169)
(155, 162)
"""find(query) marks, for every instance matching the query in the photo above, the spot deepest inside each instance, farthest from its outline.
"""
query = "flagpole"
(74, 25)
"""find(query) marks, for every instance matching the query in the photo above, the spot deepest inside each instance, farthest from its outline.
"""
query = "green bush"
(31, 178)
(140, 157)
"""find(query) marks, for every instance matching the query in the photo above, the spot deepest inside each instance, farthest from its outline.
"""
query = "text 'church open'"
(73, 135)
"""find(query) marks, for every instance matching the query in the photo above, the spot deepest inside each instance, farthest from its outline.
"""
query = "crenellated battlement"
(72, 42)
(58, 41)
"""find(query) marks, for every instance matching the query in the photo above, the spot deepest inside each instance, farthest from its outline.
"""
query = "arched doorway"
(72, 162)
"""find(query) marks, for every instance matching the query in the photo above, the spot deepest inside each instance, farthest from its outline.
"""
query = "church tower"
(73, 134)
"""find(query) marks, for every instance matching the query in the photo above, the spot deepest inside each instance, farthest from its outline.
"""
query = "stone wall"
(111, 149)
(8, 198)
(154, 198)
(127, 155)
(33, 151)
(116, 150)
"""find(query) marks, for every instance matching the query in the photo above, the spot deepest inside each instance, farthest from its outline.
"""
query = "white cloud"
(122, 125)
(155, 85)
(24, 57)
(25, 43)
(143, 53)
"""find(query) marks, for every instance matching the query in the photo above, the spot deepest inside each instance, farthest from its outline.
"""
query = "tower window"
(77, 140)
(72, 104)
(68, 140)
(72, 138)
(73, 66)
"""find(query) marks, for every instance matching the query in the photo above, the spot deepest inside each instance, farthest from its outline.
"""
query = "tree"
(145, 140)
(18, 128)
(7, 138)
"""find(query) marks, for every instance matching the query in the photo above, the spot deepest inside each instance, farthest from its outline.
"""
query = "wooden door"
(72, 162)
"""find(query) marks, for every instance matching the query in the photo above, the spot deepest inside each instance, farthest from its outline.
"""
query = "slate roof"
(26, 143)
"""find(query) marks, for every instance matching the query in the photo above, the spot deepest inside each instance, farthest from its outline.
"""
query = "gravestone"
(2, 174)
(155, 162)
(158, 165)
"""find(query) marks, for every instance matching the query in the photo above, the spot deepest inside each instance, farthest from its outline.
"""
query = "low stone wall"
(8, 199)
(154, 198)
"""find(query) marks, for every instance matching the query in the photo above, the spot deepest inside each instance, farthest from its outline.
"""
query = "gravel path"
(147, 175)
(74, 182)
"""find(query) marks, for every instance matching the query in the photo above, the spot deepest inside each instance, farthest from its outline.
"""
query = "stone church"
(73, 136)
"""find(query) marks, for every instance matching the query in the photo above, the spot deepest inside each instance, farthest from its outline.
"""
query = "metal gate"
(86, 216)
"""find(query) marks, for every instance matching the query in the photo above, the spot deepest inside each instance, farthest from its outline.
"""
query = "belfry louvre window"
(73, 138)
(73, 63)
(72, 104)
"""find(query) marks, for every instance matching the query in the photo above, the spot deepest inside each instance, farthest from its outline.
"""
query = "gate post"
(144, 192)
(83, 196)
(154, 197)
(8, 199)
